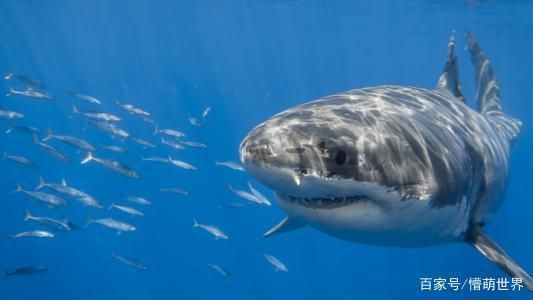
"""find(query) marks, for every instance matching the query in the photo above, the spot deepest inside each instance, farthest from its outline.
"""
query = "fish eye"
(340, 157)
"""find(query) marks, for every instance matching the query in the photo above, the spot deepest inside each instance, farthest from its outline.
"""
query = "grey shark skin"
(393, 165)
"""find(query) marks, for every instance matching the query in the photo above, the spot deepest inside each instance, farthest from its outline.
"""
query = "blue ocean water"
(247, 60)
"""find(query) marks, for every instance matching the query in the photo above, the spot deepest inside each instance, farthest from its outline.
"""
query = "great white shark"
(393, 165)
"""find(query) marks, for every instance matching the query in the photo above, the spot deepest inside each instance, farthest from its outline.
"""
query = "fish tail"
(49, 135)
(88, 158)
(41, 183)
(28, 215)
(195, 223)
(88, 222)
(19, 188)
(156, 130)
(34, 138)
(230, 187)
(6, 275)
(4, 155)
(10, 91)
(116, 101)
(8, 75)
(217, 162)
(9, 129)
(75, 109)
(112, 205)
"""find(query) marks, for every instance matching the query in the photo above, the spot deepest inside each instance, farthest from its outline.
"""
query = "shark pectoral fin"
(449, 79)
(484, 244)
(286, 225)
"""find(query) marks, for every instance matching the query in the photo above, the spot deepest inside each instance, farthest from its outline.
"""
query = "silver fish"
(215, 231)
(245, 195)
(172, 144)
(232, 204)
(169, 132)
(142, 142)
(229, 164)
(193, 144)
(275, 262)
(23, 129)
(206, 112)
(96, 115)
(110, 128)
(181, 164)
(69, 140)
(138, 200)
(25, 271)
(52, 150)
(258, 195)
(112, 164)
(175, 191)
(32, 234)
(86, 98)
(20, 160)
(130, 262)
(30, 93)
(112, 224)
(221, 270)
(48, 199)
(194, 121)
(63, 188)
(10, 115)
(113, 148)
(47, 222)
(132, 109)
(156, 159)
(27, 80)
(129, 210)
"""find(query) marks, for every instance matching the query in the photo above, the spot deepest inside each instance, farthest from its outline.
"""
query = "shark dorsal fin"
(488, 92)
(449, 79)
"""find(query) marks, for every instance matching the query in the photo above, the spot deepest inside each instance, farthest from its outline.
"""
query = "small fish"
(110, 128)
(129, 210)
(194, 144)
(50, 149)
(175, 191)
(32, 234)
(48, 199)
(156, 159)
(113, 148)
(132, 109)
(258, 195)
(142, 142)
(27, 80)
(130, 262)
(10, 115)
(96, 115)
(221, 270)
(138, 200)
(86, 98)
(111, 164)
(63, 188)
(23, 129)
(172, 144)
(110, 223)
(232, 204)
(147, 119)
(20, 160)
(169, 132)
(25, 271)
(245, 195)
(276, 263)
(215, 231)
(181, 164)
(47, 222)
(194, 121)
(229, 164)
(206, 112)
(30, 93)
(69, 140)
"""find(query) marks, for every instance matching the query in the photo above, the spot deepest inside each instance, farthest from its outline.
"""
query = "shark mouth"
(324, 203)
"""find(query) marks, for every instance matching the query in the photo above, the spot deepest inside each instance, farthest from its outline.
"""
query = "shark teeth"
(325, 203)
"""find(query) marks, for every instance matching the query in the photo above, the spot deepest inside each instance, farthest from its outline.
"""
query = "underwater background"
(247, 60)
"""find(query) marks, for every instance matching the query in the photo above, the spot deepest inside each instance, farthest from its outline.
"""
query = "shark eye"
(340, 157)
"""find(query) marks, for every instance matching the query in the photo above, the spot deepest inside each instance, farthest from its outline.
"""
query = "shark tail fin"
(49, 134)
(42, 183)
(449, 79)
(88, 158)
(27, 215)
(486, 246)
